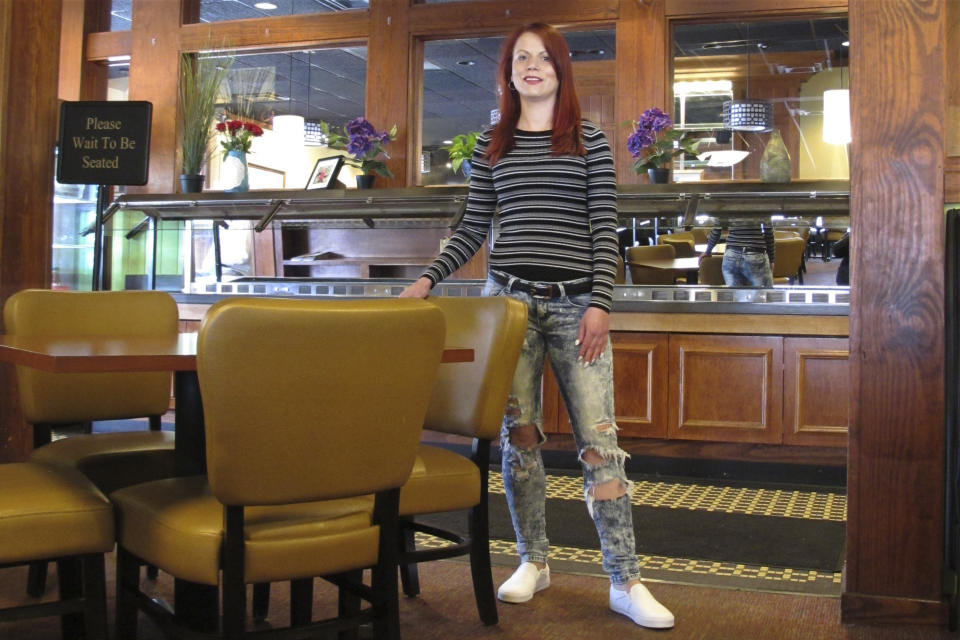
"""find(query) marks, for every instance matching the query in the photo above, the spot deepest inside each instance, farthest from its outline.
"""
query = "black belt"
(746, 249)
(543, 289)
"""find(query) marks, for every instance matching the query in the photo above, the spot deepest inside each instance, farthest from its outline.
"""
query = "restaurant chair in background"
(56, 514)
(621, 277)
(682, 247)
(468, 400)
(49, 400)
(711, 271)
(788, 256)
(699, 235)
(321, 407)
(648, 275)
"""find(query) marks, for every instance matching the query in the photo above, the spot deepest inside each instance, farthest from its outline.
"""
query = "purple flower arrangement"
(363, 144)
(654, 142)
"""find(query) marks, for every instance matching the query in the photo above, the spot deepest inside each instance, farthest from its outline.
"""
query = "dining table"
(683, 266)
(195, 604)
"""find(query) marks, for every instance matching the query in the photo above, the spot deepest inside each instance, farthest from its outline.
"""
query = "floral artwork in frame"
(324, 174)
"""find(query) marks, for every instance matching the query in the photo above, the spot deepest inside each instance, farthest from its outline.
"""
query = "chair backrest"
(700, 235)
(308, 400)
(646, 275)
(683, 247)
(711, 271)
(780, 234)
(470, 399)
(677, 235)
(58, 398)
(788, 254)
(621, 276)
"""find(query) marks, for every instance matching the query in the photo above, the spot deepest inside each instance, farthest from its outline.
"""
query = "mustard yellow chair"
(683, 247)
(699, 235)
(310, 406)
(621, 276)
(787, 259)
(56, 514)
(647, 275)
(49, 400)
(711, 271)
(468, 400)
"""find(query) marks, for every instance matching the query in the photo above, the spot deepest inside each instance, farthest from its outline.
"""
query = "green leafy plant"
(200, 79)
(461, 150)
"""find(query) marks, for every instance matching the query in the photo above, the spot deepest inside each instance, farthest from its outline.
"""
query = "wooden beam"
(28, 133)
(387, 97)
(80, 79)
(499, 17)
(340, 27)
(104, 44)
(751, 9)
(895, 474)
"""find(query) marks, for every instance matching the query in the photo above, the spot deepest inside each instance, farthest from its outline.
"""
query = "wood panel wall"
(895, 471)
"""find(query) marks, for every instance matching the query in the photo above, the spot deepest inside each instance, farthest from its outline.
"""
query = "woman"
(553, 178)
(748, 258)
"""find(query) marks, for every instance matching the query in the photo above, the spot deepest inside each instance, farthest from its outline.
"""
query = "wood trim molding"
(103, 44)
(749, 324)
(859, 607)
(340, 27)
(497, 17)
(729, 8)
(951, 180)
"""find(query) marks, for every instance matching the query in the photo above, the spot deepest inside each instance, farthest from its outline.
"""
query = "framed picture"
(325, 172)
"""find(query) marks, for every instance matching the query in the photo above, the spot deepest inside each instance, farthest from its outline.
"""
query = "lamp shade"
(289, 130)
(836, 116)
(748, 115)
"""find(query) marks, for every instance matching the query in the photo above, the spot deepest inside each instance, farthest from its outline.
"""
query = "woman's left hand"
(592, 336)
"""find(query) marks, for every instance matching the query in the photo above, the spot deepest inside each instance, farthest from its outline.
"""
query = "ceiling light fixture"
(836, 115)
(466, 63)
(265, 6)
(748, 115)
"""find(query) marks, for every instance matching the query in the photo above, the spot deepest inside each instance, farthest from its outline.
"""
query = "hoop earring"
(511, 86)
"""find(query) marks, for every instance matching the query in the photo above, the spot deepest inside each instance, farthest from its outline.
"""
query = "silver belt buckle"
(542, 291)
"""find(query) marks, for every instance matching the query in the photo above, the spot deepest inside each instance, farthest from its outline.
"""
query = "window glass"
(223, 10)
(120, 14)
(788, 65)
(459, 92)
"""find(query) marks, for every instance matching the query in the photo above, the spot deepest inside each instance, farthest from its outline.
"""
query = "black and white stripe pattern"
(746, 233)
(558, 214)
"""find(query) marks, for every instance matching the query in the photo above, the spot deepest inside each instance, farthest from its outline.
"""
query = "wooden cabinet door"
(640, 388)
(816, 391)
(725, 388)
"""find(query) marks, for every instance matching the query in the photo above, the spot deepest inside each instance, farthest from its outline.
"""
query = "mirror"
(737, 86)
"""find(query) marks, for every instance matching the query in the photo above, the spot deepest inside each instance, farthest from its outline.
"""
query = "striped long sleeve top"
(558, 214)
(745, 233)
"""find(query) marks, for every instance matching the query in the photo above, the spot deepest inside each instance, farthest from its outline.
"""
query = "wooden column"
(643, 65)
(154, 60)
(81, 79)
(28, 131)
(895, 472)
(388, 72)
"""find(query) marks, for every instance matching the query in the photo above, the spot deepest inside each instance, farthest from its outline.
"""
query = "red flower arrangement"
(239, 135)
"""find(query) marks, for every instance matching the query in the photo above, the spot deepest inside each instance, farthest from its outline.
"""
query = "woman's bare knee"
(524, 436)
(610, 490)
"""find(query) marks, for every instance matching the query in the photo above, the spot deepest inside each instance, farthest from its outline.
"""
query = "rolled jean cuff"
(621, 580)
(533, 557)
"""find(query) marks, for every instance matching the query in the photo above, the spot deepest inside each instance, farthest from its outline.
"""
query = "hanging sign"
(104, 142)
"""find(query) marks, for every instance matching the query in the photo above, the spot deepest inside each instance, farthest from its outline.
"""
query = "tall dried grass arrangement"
(200, 79)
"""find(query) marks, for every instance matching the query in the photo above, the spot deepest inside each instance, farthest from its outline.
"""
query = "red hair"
(566, 111)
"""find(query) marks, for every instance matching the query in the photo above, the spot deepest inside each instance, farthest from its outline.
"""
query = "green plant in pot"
(200, 79)
(460, 152)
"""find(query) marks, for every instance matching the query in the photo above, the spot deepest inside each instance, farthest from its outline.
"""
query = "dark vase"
(191, 182)
(365, 181)
(659, 175)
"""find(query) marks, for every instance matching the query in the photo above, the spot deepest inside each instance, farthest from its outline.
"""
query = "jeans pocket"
(581, 300)
(493, 289)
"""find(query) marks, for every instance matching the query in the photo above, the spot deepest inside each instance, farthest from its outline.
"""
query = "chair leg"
(95, 597)
(386, 624)
(234, 589)
(301, 601)
(128, 583)
(155, 423)
(409, 574)
(70, 579)
(261, 601)
(349, 604)
(36, 579)
(152, 572)
(479, 525)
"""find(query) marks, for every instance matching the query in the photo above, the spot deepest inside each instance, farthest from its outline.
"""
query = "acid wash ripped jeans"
(552, 326)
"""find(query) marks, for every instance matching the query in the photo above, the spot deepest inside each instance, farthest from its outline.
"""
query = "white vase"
(233, 173)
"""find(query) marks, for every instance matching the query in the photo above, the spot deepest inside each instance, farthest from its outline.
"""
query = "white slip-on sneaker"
(641, 607)
(524, 582)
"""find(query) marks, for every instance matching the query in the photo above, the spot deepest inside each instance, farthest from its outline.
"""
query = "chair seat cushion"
(114, 460)
(441, 480)
(49, 512)
(176, 524)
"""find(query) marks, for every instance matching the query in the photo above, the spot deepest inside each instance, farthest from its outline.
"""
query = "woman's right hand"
(419, 289)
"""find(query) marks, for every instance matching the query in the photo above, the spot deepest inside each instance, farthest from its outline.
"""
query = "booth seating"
(789, 255)
(48, 400)
(468, 400)
(310, 406)
(56, 514)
